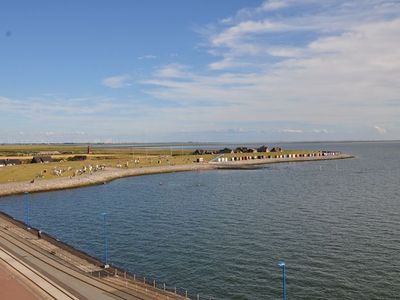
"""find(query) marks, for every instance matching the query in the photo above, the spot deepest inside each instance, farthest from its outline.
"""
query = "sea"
(222, 233)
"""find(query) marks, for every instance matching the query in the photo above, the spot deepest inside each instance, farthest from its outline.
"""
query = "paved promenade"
(49, 272)
(16, 287)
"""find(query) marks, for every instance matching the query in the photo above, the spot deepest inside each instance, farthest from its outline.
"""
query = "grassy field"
(29, 150)
(109, 157)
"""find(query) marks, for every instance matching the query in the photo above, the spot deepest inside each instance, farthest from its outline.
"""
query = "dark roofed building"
(245, 150)
(199, 152)
(263, 148)
(203, 152)
(41, 159)
(251, 150)
(241, 150)
(225, 150)
(13, 162)
(78, 158)
(276, 149)
(9, 162)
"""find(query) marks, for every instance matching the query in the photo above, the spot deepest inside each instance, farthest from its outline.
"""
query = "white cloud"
(116, 82)
(273, 5)
(291, 130)
(380, 129)
(58, 107)
(320, 131)
(252, 32)
(172, 71)
(147, 56)
(344, 78)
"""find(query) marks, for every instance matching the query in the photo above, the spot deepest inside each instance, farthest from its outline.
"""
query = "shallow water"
(222, 233)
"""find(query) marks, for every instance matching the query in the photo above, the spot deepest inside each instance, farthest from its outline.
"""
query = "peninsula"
(36, 168)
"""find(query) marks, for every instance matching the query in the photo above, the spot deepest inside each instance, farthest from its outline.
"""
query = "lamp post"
(105, 241)
(27, 210)
(283, 267)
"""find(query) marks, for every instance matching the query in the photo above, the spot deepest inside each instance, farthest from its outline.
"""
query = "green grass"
(28, 171)
(20, 150)
(29, 150)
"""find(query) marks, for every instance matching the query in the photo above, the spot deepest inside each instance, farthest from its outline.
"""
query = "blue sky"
(227, 70)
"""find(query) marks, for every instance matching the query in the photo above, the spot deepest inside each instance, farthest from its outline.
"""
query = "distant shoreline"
(14, 188)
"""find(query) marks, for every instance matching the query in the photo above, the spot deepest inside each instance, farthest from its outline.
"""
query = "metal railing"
(146, 284)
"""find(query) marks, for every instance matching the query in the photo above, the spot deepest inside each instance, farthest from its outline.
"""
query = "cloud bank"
(323, 64)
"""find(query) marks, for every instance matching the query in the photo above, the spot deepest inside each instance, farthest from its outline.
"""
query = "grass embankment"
(111, 158)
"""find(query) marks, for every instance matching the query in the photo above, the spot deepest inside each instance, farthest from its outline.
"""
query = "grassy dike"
(118, 163)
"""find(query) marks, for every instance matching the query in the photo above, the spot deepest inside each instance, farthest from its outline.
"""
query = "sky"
(200, 70)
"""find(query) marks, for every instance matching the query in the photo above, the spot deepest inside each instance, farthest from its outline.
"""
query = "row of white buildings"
(278, 156)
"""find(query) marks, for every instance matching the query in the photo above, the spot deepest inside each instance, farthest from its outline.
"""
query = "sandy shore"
(101, 177)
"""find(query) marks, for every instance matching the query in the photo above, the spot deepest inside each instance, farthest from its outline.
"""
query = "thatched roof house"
(276, 149)
(202, 152)
(263, 148)
(241, 150)
(13, 162)
(41, 159)
(245, 150)
(225, 150)
(9, 162)
(78, 158)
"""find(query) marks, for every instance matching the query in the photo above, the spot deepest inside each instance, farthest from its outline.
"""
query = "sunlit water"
(222, 233)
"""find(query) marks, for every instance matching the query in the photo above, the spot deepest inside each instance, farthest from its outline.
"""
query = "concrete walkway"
(15, 286)
(49, 287)
(60, 279)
